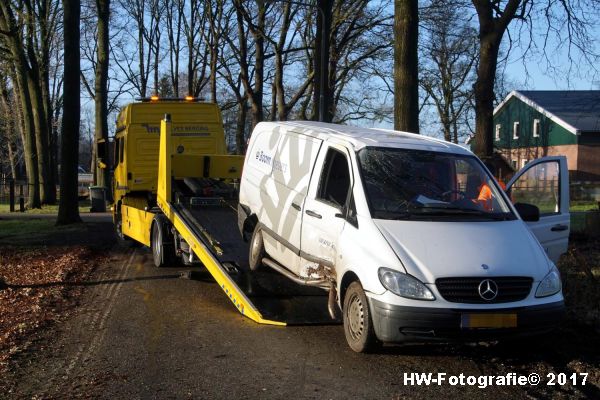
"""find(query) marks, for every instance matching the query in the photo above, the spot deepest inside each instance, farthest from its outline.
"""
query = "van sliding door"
(322, 221)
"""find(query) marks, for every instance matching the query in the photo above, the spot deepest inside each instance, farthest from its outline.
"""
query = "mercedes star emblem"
(488, 289)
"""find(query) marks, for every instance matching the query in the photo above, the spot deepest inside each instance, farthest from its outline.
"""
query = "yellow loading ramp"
(263, 296)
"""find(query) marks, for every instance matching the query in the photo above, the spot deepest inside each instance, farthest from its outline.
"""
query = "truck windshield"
(405, 184)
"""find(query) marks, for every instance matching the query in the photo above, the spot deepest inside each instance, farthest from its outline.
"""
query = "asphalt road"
(142, 333)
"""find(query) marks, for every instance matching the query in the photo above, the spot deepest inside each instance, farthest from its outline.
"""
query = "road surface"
(142, 332)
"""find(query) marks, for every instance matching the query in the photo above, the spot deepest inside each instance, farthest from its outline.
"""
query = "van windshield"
(405, 184)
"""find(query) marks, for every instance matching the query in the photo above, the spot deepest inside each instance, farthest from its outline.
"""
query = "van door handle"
(313, 214)
(296, 206)
(559, 227)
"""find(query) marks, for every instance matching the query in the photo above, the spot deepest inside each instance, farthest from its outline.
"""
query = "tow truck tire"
(257, 249)
(163, 246)
(358, 325)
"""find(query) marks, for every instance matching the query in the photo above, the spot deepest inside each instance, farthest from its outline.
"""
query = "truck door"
(545, 183)
(322, 221)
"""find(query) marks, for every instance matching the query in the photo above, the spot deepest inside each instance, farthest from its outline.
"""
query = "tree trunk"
(484, 94)
(406, 79)
(240, 129)
(317, 66)
(190, 35)
(68, 210)
(11, 159)
(259, 66)
(10, 127)
(214, 55)
(279, 88)
(41, 137)
(41, 65)
(101, 90)
(321, 64)
(8, 24)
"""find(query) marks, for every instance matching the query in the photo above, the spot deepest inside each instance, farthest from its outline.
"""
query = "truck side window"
(121, 148)
(334, 182)
(117, 147)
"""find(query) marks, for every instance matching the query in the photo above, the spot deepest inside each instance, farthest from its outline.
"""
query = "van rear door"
(545, 183)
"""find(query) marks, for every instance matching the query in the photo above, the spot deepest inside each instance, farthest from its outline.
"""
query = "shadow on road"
(94, 283)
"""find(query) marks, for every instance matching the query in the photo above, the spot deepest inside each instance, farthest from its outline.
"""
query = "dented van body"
(395, 227)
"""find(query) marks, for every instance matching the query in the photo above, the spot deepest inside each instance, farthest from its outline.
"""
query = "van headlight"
(549, 285)
(404, 285)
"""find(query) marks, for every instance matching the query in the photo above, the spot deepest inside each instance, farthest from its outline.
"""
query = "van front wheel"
(257, 249)
(358, 325)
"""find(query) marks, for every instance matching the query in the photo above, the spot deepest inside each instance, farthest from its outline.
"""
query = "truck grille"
(466, 290)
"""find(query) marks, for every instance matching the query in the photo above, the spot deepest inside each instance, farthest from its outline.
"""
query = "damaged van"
(412, 236)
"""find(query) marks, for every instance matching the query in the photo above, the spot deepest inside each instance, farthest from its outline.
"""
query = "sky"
(529, 72)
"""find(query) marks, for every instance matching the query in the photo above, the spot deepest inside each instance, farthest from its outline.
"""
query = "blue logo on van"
(268, 160)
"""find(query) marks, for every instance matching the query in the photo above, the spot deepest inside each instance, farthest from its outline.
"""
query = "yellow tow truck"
(175, 191)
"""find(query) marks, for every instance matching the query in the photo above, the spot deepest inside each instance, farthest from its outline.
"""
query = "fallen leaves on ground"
(39, 284)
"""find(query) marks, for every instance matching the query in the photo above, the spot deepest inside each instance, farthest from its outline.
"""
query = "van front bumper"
(394, 323)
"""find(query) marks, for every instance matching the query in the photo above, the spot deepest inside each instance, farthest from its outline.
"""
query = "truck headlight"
(549, 285)
(404, 285)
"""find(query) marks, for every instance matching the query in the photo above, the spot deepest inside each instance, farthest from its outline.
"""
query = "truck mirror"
(101, 153)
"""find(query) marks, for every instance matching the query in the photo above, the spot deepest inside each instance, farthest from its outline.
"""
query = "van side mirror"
(528, 212)
(348, 212)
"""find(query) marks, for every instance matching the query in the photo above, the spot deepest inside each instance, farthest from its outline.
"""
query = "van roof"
(359, 137)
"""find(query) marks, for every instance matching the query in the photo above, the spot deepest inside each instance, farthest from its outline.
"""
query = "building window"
(516, 129)
(514, 164)
(524, 163)
(497, 132)
(536, 128)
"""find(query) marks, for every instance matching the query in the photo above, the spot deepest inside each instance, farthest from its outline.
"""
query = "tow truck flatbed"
(173, 192)
(214, 224)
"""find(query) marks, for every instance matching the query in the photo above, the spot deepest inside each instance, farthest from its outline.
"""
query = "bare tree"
(406, 80)
(174, 14)
(137, 66)
(68, 209)
(253, 86)
(8, 126)
(20, 70)
(101, 88)
(448, 64)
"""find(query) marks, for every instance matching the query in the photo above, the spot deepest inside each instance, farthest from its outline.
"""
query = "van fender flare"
(349, 275)
(247, 221)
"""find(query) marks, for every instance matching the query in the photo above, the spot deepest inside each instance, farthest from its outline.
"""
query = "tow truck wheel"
(163, 248)
(257, 249)
(358, 325)
(119, 229)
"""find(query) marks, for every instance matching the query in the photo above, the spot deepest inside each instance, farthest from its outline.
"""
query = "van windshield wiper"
(380, 214)
(449, 210)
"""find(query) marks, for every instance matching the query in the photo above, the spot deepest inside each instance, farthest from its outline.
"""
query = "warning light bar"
(155, 98)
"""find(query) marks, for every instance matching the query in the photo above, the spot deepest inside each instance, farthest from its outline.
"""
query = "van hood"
(430, 250)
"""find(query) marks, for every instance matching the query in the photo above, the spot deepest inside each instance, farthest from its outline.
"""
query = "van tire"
(257, 249)
(163, 246)
(358, 324)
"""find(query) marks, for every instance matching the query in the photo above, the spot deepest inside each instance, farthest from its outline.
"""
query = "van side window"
(334, 182)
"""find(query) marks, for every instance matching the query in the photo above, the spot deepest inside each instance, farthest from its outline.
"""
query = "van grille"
(466, 290)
